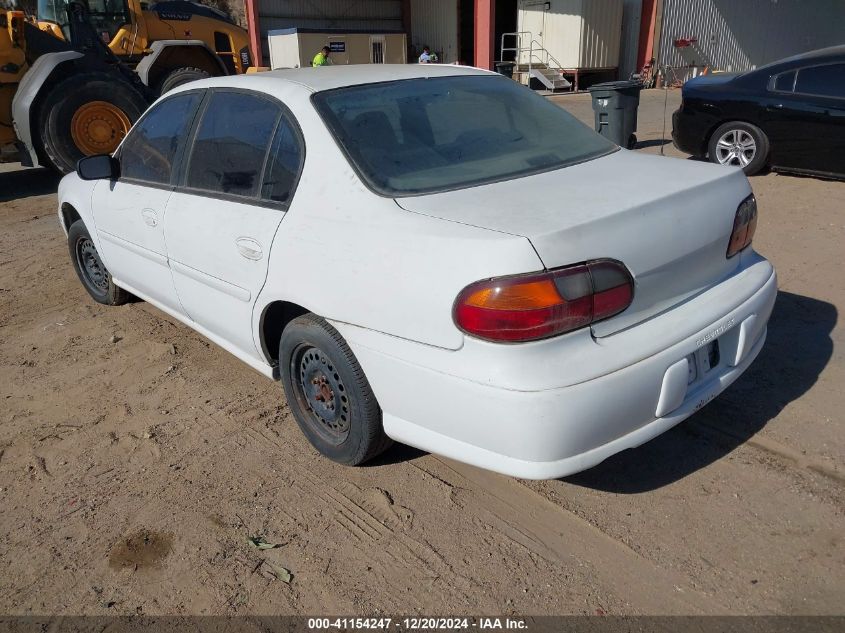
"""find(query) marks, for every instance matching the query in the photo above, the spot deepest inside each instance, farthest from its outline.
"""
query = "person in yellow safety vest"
(321, 58)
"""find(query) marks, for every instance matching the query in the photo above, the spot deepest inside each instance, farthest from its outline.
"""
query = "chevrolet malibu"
(433, 255)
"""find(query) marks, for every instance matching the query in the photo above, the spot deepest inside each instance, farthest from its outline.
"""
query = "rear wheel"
(328, 392)
(86, 114)
(739, 144)
(180, 76)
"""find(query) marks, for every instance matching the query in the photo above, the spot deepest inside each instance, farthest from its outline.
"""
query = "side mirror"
(100, 167)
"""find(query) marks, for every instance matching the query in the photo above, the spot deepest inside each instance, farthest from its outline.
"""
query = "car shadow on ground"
(24, 183)
(658, 142)
(797, 349)
(396, 454)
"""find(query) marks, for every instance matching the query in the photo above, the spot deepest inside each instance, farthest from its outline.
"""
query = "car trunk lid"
(669, 221)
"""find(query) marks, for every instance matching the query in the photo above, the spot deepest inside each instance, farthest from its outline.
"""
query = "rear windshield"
(425, 135)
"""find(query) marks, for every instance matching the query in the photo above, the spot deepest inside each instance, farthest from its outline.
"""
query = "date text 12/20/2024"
(416, 624)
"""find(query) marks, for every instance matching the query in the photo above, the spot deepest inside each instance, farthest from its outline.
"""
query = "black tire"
(632, 141)
(180, 76)
(738, 130)
(90, 269)
(328, 392)
(55, 114)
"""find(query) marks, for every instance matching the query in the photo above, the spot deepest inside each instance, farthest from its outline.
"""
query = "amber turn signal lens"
(529, 295)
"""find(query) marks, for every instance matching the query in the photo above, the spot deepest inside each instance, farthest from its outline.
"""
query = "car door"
(823, 87)
(129, 212)
(238, 179)
(805, 118)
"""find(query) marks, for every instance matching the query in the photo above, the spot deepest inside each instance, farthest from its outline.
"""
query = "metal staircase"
(534, 61)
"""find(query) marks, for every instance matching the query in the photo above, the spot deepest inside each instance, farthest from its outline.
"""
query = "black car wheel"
(739, 144)
(328, 392)
(90, 268)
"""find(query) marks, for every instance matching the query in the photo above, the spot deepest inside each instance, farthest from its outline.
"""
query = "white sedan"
(434, 255)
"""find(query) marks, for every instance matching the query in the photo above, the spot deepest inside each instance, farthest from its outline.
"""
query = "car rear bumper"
(690, 131)
(553, 432)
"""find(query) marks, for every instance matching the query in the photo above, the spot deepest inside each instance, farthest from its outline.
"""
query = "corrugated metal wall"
(577, 33)
(328, 14)
(739, 35)
(435, 24)
(601, 33)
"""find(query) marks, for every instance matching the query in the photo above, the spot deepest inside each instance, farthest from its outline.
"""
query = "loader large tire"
(180, 76)
(86, 114)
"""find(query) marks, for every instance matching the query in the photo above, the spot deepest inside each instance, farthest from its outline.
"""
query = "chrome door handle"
(150, 217)
(249, 248)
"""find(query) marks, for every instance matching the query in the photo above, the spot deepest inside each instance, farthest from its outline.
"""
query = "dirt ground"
(136, 459)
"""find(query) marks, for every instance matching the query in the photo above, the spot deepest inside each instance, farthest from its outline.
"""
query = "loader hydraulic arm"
(85, 39)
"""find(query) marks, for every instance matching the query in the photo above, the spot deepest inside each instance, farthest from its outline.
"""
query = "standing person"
(321, 58)
(427, 57)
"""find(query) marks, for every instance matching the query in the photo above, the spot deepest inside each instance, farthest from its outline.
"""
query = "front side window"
(425, 135)
(231, 144)
(149, 150)
(826, 81)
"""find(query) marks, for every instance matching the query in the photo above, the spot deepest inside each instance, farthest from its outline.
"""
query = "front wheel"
(90, 268)
(328, 392)
(739, 144)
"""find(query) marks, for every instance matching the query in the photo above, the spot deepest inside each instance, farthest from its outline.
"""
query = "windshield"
(424, 135)
(52, 11)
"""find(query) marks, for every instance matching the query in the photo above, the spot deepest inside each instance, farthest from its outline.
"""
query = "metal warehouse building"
(614, 37)
(579, 32)
(738, 35)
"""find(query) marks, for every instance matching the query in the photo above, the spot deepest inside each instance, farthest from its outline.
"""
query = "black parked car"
(789, 115)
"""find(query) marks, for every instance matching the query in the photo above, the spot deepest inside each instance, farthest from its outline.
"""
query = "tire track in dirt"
(560, 536)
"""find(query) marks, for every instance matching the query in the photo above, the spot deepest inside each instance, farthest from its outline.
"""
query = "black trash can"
(615, 104)
(505, 68)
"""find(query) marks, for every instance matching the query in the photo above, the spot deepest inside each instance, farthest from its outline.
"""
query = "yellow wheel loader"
(72, 83)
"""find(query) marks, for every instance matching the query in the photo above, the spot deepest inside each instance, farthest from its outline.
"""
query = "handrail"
(549, 56)
(536, 52)
(518, 35)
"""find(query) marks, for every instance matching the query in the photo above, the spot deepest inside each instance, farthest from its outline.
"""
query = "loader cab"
(107, 17)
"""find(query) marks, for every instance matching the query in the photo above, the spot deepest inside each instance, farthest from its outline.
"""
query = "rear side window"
(826, 81)
(148, 152)
(785, 82)
(231, 144)
(283, 164)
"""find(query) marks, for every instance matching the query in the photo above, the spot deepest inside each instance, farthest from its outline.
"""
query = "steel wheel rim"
(321, 394)
(97, 127)
(736, 147)
(91, 265)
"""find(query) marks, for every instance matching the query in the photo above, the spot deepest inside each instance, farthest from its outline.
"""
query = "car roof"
(330, 77)
(831, 53)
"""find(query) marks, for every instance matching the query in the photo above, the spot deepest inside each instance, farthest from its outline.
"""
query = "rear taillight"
(745, 223)
(539, 305)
